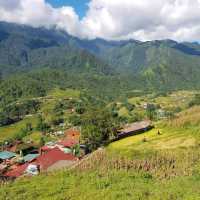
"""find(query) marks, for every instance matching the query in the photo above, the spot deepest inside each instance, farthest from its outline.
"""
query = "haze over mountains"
(163, 64)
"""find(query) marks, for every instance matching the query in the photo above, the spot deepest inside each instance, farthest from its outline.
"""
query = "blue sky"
(80, 6)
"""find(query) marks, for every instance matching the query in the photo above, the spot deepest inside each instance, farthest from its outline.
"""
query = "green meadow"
(10, 132)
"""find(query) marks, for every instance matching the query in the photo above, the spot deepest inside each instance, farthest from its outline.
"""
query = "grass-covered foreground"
(161, 176)
(96, 185)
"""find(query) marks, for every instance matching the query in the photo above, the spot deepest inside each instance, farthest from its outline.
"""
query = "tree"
(151, 111)
(42, 125)
(42, 141)
(98, 127)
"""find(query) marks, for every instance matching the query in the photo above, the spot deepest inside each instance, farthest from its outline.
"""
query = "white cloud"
(143, 19)
(39, 13)
(113, 19)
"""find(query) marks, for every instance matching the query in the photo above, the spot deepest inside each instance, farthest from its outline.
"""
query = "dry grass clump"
(186, 118)
(165, 164)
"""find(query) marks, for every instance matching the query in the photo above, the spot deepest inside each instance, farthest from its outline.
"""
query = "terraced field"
(181, 132)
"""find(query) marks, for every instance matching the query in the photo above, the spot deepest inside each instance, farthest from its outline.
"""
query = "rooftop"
(51, 157)
(6, 155)
(137, 126)
(17, 171)
(30, 157)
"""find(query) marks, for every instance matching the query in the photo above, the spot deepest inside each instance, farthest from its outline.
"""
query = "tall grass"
(190, 117)
(160, 164)
(161, 176)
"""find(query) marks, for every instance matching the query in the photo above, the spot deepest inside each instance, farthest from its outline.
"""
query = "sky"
(80, 6)
(110, 19)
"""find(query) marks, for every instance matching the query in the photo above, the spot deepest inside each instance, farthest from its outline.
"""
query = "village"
(16, 161)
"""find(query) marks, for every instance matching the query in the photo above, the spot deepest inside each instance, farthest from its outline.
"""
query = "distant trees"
(16, 111)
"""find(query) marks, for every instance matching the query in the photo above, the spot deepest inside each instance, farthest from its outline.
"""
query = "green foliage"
(21, 134)
(42, 141)
(42, 125)
(10, 132)
(151, 111)
(98, 127)
(16, 111)
(195, 101)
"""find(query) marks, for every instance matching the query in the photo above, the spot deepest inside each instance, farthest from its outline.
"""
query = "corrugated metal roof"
(6, 155)
(30, 157)
(136, 126)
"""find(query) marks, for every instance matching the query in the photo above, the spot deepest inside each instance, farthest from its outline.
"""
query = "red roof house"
(53, 159)
(17, 171)
(53, 156)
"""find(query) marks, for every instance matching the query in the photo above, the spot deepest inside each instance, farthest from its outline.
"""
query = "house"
(6, 155)
(47, 147)
(52, 157)
(23, 147)
(135, 128)
(30, 157)
(17, 170)
(13, 146)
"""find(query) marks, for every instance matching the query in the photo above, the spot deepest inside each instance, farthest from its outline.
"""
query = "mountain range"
(162, 64)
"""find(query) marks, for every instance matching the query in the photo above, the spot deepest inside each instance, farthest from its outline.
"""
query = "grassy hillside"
(109, 186)
(183, 131)
(128, 169)
(10, 132)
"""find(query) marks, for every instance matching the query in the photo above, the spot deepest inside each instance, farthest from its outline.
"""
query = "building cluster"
(52, 156)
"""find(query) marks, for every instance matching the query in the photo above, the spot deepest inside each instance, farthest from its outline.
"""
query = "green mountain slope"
(159, 64)
(23, 48)
(154, 65)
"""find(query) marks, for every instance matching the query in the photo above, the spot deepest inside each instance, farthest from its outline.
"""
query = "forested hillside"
(44, 59)
(163, 65)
